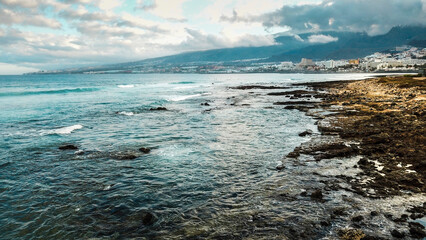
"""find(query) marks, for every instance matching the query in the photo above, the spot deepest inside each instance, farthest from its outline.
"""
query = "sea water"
(210, 166)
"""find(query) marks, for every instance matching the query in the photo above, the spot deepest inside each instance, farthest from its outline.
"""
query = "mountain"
(348, 45)
(357, 45)
(284, 43)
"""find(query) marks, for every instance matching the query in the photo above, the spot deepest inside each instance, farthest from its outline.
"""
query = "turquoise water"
(208, 164)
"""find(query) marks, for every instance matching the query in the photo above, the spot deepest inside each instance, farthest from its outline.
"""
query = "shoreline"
(382, 122)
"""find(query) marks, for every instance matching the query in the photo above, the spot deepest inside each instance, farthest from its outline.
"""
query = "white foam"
(126, 113)
(181, 98)
(184, 87)
(65, 130)
(126, 86)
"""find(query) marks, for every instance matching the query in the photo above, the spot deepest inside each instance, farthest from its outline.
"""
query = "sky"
(55, 34)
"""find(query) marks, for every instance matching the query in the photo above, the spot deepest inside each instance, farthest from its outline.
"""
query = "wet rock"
(325, 223)
(397, 234)
(293, 102)
(144, 150)
(340, 211)
(305, 133)
(120, 210)
(68, 147)
(403, 218)
(280, 167)
(296, 93)
(125, 156)
(317, 195)
(374, 213)
(5, 164)
(416, 230)
(417, 211)
(79, 152)
(158, 109)
(293, 154)
(247, 87)
(148, 219)
(370, 237)
(332, 153)
(363, 162)
(357, 219)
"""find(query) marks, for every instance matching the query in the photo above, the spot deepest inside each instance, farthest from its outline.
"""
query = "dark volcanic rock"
(125, 156)
(144, 150)
(79, 152)
(357, 219)
(148, 219)
(374, 213)
(68, 147)
(417, 230)
(294, 102)
(317, 195)
(296, 93)
(247, 87)
(305, 133)
(280, 167)
(158, 109)
(397, 234)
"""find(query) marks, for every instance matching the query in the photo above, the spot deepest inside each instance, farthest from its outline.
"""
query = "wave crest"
(58, 91)
(64, 130)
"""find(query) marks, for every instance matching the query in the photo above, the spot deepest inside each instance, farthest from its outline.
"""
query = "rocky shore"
(382, 121)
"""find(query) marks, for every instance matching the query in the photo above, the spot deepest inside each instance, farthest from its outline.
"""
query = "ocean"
(210, 173)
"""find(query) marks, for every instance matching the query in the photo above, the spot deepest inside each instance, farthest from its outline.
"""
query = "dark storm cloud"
(374, 17)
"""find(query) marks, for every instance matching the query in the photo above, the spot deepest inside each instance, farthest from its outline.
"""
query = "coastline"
(382, 122)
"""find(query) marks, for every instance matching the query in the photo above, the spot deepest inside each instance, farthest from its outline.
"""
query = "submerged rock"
(158, 109)
(317, 195)
(79, 152)
(144, 150)
(148, 219)
(125, 156)
(68, 147)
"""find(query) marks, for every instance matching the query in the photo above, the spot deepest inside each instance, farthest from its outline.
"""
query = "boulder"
(158, 109)
(305, 133)
(144, 150)
(68, 147)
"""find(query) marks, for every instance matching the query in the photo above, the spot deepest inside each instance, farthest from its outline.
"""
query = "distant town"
(400, 59)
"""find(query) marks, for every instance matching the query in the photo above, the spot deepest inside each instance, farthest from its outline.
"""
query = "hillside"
(357, 46)
(349, 45)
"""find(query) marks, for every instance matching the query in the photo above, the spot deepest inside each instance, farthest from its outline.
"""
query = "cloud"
(145, 5)
(11, 69)
(322, 38)
(373, 17)
(9, 17)
(166, 9)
